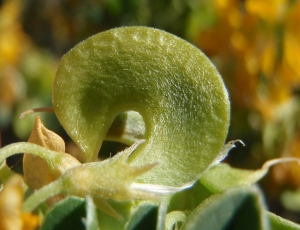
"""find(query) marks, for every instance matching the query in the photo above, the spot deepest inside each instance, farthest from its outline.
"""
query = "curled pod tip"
(171, 83)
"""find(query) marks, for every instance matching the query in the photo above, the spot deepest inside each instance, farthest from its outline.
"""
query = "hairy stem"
(21, 147)
(41, 195)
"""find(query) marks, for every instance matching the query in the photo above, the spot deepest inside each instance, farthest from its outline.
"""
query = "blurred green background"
(254, 44)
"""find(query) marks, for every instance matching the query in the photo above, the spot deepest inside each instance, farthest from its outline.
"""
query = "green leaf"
(190, 198)
(169, 82)
(279, 223)
(134, 213)
(141, 215)
(72, 213)
(222, 176)
(67, 214)
(240, 208)
(148, 221)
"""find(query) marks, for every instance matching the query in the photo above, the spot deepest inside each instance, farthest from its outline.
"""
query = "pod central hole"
(110, 148)
(127, 128)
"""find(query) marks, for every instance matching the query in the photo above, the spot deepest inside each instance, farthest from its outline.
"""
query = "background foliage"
(254, 44)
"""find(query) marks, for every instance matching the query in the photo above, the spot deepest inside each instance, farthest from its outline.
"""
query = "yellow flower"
(291, 46)
(11, 215)
(257, 47)
(12, 39)
(270, 11)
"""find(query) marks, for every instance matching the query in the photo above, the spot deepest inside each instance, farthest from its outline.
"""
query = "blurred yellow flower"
(291, 46)
(13, 43)
(270, 11)
(258, 46)
(11, 215)
(12, 39)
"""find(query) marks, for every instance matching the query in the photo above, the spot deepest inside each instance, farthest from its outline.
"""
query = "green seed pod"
(171, 83)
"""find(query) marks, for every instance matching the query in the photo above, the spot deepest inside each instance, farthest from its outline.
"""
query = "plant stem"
(41, 195)
(30, 148)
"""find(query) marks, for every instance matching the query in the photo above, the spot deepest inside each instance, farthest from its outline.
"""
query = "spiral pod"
(169, 82)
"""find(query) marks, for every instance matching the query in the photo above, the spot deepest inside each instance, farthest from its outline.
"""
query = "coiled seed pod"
(171, 83)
